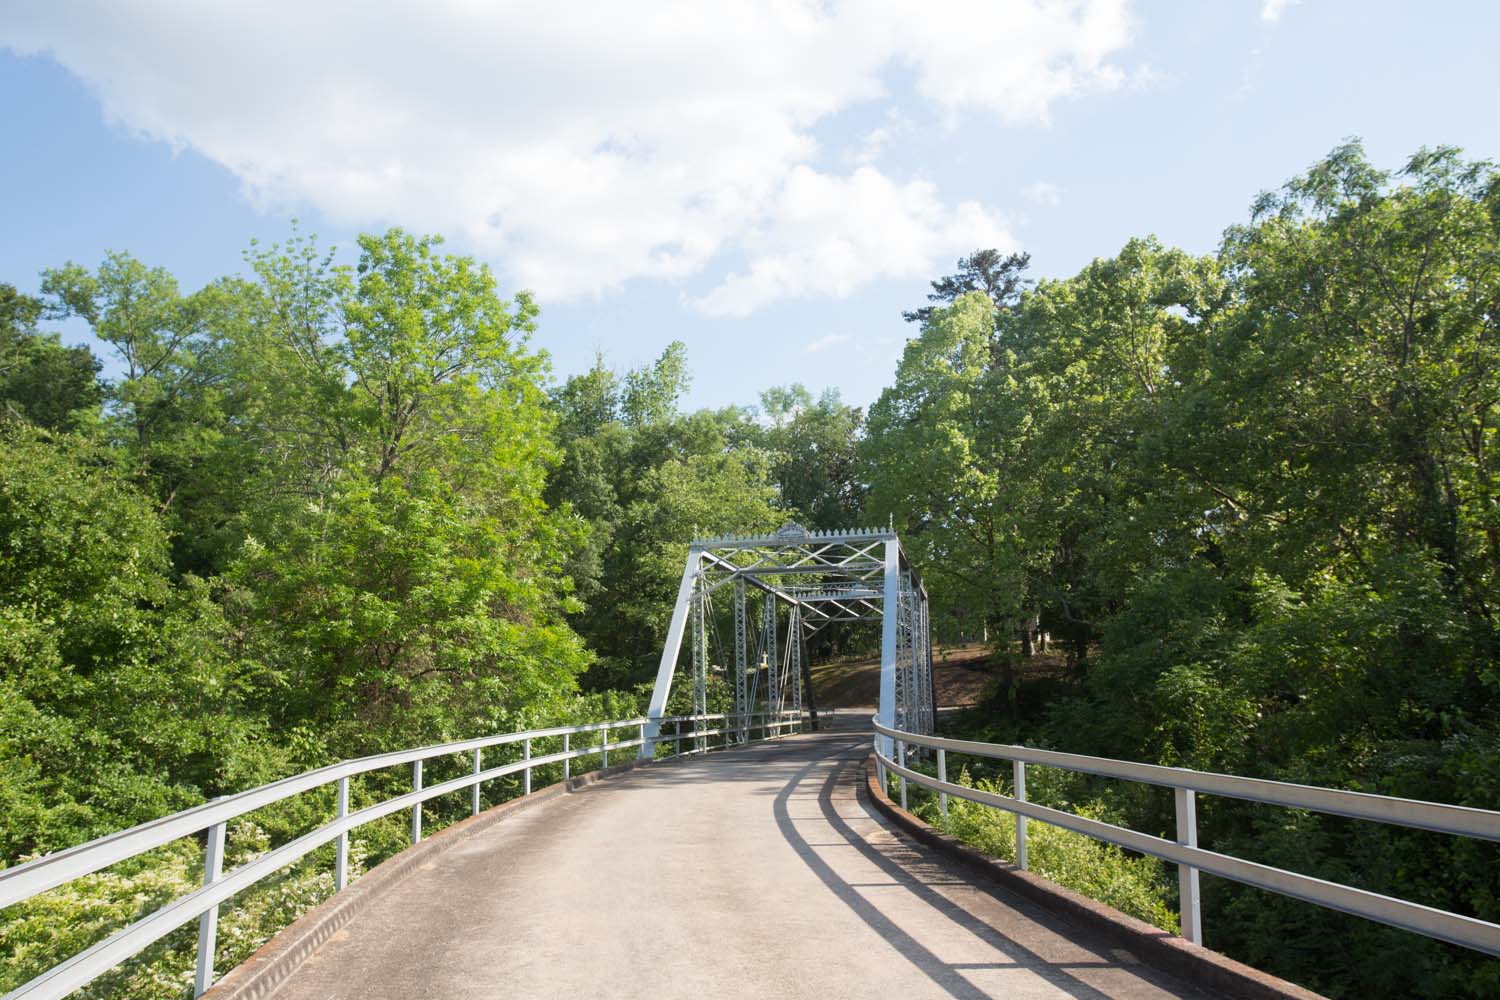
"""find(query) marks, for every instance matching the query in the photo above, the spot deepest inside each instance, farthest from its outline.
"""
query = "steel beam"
(668, 664)
(741, 696)
(887, 709)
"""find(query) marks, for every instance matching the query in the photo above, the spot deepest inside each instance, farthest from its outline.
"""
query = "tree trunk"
(1028, 635)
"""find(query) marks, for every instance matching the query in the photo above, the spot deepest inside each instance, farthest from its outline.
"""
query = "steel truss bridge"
(749, 859)
(795, 583)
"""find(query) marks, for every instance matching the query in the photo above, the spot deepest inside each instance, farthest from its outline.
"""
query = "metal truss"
(806, 581)
(741, 666)
(700, 659)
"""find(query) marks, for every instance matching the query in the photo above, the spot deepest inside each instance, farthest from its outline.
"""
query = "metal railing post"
(604, 747)
(677, 738)
(474, 792)
(341, 849)
(567, 761)
(1020, 782)
(1187, 877)
(208, 923)
(643, 741)
(879, 767)
(526, 755)
(416, 810)
(943, 777)
(901, 759)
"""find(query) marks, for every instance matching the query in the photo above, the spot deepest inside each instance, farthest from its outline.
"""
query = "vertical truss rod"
(773, 674)
(741, 695)
(700, 661)
(887, 708)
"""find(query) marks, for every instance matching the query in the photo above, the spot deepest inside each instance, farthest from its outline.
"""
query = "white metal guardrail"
(37, 876)
(1482, 824)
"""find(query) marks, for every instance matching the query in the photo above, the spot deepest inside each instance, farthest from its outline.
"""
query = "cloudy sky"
(771, 183)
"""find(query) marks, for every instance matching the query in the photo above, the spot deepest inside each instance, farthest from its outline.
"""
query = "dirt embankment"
(960, 674)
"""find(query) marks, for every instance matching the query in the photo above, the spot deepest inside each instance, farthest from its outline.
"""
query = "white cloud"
(584, 148)
(1043, 193)
(874, 143)
(824, 343)
(828, 235)
(1271, 10)
(1014, 59)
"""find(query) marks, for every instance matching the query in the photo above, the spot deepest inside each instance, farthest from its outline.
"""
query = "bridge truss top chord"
(803, 581)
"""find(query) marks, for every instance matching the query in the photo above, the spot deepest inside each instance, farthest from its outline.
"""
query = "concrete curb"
(259, 975)
(1155, 947)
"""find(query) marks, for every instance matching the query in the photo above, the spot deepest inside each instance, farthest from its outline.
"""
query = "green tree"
(651, 394)
(402, 573)
(815, 444)
(117, 702)
(1001, 277)
(1258, 491)
(41, 381)
(936, 461)
(642, 476)
(168, 413)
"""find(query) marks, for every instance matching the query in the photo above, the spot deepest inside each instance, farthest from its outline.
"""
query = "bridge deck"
(750, 873)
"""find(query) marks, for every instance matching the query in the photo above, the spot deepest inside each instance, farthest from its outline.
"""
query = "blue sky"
(771, 184)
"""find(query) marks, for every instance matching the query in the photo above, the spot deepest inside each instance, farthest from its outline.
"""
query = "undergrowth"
(1137, 885)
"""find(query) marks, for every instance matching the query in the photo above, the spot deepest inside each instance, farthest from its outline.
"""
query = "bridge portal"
(777, 591)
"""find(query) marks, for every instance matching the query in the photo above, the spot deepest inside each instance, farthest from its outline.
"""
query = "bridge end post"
(887, 709)
(668, 664)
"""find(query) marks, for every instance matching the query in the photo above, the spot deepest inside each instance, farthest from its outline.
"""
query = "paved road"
(749, 873)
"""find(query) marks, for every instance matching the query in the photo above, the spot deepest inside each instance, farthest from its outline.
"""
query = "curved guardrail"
(1481, 824)
(37, 876)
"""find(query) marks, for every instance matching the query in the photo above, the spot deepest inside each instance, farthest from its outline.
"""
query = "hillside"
(959, 671)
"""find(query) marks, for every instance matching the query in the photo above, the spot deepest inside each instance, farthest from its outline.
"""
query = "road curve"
(753, 872)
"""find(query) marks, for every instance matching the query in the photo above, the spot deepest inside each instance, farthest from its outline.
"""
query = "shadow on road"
(889, 858)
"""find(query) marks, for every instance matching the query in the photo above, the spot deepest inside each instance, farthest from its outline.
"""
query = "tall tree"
(936, 463)
(1001, 277)
(168, 412)
(651, 394)
(402, 571)
(642, 476)
(41, 381)
(815, 448)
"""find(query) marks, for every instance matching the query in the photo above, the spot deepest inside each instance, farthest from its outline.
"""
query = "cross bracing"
(786, 587)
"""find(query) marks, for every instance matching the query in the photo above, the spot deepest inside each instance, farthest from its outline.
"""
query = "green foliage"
(1138, 886)
(643, 478)
(119, 703)
(1254, 494)
(650, 395)
(401, 575)
(1000, 277)
(938, 458)
(41, 381)
(306, 523)
(815, 462)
